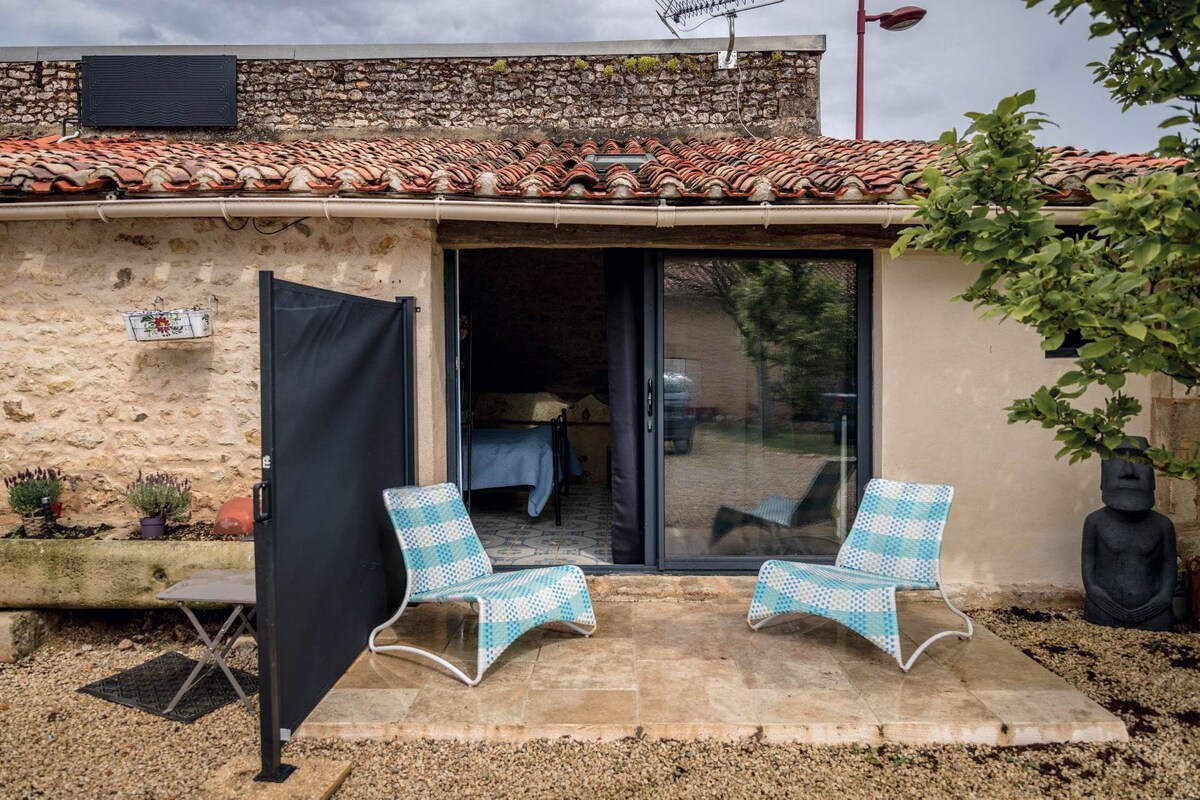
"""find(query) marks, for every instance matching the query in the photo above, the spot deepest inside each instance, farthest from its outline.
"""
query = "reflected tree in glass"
(796, 317)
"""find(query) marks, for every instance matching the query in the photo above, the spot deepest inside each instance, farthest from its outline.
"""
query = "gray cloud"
(964, 56)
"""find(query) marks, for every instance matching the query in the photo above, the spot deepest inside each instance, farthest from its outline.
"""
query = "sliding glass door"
(765, 369)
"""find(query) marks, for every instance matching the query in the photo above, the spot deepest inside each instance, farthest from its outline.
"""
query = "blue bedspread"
(517, 457)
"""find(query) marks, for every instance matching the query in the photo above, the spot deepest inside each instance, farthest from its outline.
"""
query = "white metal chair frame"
(434, 657)
(447, 593)
(904, 665)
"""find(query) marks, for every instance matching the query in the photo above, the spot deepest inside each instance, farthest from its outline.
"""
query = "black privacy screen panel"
(159, 92)
(337, 423)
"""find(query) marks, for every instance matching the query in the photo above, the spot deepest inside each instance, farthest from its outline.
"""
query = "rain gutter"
(511, 211)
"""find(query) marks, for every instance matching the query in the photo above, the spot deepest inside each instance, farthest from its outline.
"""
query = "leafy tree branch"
(1129, 280)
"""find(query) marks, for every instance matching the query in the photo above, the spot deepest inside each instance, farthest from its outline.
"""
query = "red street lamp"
(901, 19)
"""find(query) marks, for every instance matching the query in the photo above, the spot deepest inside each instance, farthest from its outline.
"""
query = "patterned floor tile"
(511, 537)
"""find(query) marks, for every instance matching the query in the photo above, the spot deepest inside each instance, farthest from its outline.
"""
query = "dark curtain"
(623, 295)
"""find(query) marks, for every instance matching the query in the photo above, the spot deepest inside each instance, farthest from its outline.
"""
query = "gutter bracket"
(766, 207)
(557, 206)
(437, 209)
(100, 213)
(887, 222)
(665, 216)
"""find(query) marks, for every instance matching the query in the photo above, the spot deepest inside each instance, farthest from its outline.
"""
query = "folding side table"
(222, 586)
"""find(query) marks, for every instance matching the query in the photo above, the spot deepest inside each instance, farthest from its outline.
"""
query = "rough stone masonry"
(599, 89)
(606, 89)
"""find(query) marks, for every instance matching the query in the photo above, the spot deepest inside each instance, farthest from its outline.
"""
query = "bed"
(540, 457)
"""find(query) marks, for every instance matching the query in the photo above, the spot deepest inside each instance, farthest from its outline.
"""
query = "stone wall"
(1176, 418)
(674, 91)
(76, 394)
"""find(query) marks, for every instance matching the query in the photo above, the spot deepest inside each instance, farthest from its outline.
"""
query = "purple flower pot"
(153, 527)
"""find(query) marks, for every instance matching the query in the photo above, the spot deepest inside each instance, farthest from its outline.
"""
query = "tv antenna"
(675, 13)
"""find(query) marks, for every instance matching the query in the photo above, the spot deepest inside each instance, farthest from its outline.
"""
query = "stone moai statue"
(1128, 548)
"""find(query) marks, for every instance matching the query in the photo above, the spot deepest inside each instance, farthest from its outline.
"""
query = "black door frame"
(654, 539)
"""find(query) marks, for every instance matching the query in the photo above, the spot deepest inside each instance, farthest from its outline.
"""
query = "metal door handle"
(650, 405)
(261, 513)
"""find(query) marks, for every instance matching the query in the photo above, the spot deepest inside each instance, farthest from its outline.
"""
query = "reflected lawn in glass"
(790, 441)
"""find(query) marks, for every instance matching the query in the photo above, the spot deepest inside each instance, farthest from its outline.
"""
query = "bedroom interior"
(535, 404)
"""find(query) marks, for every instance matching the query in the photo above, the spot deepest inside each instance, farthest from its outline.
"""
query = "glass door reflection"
(760, 411)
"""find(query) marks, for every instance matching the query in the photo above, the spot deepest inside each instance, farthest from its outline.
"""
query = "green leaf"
(1135, 329)
(1045, 403)
(1114, 380)
(1071, 378)
(1166, 335)
(1098, 348)
(1054, 342)
(1145, 252)
(1026, 307)
(1172, 122)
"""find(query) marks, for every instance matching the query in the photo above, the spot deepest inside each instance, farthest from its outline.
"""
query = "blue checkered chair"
(894, 545)
(446, 563)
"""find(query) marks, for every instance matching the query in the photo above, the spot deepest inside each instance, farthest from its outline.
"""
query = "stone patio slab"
(678, 670)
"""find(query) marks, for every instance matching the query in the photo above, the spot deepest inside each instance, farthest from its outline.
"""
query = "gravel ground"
(60, 744)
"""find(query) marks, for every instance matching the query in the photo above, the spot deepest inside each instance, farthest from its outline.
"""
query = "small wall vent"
(159, 92)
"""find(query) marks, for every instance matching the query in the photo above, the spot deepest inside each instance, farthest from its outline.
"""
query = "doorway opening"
(534, 405)
(714, 407)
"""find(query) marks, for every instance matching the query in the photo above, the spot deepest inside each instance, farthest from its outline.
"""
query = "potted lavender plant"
(33, 495)
(159, 497)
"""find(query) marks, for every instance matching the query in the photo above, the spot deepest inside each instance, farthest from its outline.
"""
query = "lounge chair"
(894, 545)
(779, 515)
(446, 563)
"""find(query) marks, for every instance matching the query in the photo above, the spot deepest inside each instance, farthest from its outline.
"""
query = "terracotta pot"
(235, 518)
(56, 509)
(153, 527)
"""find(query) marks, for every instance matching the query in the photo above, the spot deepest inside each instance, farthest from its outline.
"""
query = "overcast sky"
(964, 56)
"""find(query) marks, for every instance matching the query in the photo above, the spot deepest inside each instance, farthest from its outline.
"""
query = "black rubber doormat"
(151, 686)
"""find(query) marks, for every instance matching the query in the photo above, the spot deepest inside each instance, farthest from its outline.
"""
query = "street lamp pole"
(862, 39)
(901, 19)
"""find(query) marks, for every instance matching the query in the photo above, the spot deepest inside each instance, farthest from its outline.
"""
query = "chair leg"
(581, 629)
(416, 651)
(762, 623)
(967, 634)
(480, 666)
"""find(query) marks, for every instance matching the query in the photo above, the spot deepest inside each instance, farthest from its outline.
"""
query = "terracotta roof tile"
(778, 169)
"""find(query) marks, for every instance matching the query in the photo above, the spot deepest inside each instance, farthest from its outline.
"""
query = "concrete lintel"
(320, 52)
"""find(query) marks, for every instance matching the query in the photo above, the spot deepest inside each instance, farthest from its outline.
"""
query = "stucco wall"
(943, 378)
(76, 394)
